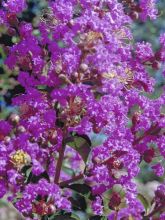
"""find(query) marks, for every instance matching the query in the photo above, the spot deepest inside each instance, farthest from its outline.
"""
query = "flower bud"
(158, 55)
(76, 74)
(148, 155)
(58, 68)
(25, 63)
(84, 67)
(12, 19)
(71, 23)
(160, 192)
(96, 129)
(134, 15)
(52, 137)
(6, 49)
(42, 208)
(7, 139)
(136, 118)
(51, 209)
(21, 129)
(11, 32)
(114, 201)
(156, 65)
(14, 118)
(96, 160)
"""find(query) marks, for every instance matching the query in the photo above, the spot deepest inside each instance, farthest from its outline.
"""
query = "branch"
(116, 215)
(153, 129)
(158, 209)
(60, 161)
(75, 178)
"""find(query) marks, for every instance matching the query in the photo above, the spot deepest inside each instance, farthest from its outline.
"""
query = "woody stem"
(60, 161)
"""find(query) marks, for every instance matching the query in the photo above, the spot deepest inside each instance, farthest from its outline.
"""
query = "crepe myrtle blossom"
(82, 78)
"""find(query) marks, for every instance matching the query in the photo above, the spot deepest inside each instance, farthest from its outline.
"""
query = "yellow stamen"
(20, 158)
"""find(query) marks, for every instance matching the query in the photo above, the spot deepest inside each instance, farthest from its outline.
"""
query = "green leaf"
(30, 177)
(144, 201)
(75, 216)
(45, 217)
(61, 217)
(104, 218)
(81, 143)
(80, 188)
(61, 44)
(3, 203)
(69, 216)
(82, 192)
(27, 171)
(78, 202)
(97, 217)
(68, 170)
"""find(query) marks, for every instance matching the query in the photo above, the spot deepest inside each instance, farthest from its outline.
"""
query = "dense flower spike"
(82, 76)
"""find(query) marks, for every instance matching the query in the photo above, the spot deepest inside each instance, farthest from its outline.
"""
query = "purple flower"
(3, 187)
(28, 202)
(5, 129)
(148, 8)
(144, 51)
(15, 6)
(158, 169)
(83, 79)
(97, 206)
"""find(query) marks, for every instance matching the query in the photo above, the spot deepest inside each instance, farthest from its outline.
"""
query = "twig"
(60, 161)
(75, 178)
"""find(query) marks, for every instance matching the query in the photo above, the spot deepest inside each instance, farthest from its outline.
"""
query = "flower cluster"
(82, 76)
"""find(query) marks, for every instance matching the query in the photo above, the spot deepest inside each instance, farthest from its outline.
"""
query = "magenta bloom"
(85, 122)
